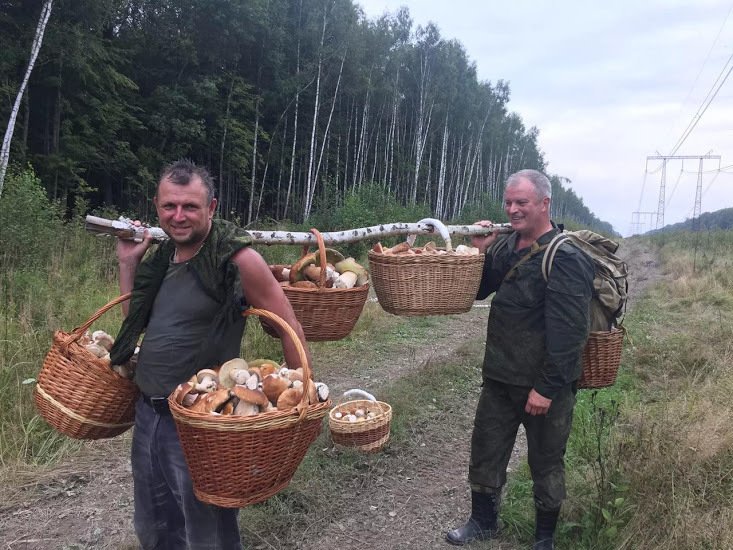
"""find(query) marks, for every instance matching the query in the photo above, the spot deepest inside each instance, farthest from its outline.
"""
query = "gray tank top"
(180, 322)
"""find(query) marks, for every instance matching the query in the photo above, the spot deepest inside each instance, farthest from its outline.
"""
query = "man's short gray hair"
(540, 182)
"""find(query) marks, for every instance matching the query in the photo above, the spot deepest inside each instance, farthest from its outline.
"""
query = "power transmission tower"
(641, 222)
(698, 193)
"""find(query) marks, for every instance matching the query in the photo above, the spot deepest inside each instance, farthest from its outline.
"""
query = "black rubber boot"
(545, 524)
(483, 523)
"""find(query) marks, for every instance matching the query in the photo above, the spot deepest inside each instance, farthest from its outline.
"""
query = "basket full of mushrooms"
(427, 280)
(77, 392)
(326, 290)
(246, 426)
(360, 423)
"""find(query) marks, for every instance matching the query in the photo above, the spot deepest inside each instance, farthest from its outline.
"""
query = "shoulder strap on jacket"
(549, 256)
(534, 249)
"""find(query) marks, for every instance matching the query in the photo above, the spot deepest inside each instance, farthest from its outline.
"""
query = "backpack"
(608, 306)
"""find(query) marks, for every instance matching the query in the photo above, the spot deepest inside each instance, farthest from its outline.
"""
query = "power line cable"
(643, 184)
(704, 107)
(674, 188)
(707, 58)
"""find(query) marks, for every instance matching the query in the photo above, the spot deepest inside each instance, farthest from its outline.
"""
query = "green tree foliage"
(28, 223)
(285, 101)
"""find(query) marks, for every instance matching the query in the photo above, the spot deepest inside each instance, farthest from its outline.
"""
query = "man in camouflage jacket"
(535, 338)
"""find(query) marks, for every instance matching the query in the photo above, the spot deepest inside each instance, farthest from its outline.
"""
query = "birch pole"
(37, 41)
(123, 228)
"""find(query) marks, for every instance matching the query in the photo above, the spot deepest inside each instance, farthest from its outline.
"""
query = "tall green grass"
(650, 460)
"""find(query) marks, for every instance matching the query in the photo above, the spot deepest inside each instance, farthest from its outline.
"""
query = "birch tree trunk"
(295, 122)
(441, 175)
(35, 48)
(221, 151)
(310, 183)
(326, 135)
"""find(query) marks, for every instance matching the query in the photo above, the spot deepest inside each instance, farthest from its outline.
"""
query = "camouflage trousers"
(499, 413)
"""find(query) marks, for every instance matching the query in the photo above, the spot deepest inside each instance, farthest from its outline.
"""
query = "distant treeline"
(720, 219)
(288, 102)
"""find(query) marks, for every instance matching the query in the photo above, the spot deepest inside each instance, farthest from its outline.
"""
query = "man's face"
(527, 213)
(183, 212)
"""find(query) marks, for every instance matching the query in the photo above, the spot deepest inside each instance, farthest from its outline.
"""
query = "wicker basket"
(369, 435)
(326, 314)
(236, 461)
(601, 358)
(426, 284)
(78, 393)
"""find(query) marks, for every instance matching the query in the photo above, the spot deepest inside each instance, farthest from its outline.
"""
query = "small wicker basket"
(601, 358)
(426, 284)
(79, 394)
(326, 314)
(236, 461)
(369, 435)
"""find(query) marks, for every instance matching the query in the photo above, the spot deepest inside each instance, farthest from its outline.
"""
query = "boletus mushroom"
(212, 402)
(289, 399)
(207, 380)
(352, 274)
(233, 372)
(250, 401)
(297, 271)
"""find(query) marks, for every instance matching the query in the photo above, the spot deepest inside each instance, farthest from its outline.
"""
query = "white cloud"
(607, 86)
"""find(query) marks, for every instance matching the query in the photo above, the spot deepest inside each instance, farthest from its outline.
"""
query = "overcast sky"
(607, 85)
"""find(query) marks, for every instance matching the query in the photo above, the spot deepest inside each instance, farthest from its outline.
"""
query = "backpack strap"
(534, 249)
(549, 256)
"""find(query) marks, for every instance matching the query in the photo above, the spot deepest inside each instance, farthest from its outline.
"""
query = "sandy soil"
(86, 502)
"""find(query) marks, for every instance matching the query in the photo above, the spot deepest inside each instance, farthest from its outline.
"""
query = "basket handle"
(301, 407)
(360, 393)
(442, 229)
(78, 332)
(321, 256)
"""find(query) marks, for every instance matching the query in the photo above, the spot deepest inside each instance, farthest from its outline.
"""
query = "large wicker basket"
(326, 314)
(79, 394)
(368, 435)
(426, 284)
(601, 358)
(236, 461)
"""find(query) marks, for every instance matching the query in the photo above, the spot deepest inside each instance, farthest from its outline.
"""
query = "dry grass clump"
(679, 463)
(677, 449)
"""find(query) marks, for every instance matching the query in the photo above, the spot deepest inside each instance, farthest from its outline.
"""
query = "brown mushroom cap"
(255, 397)
(296, 271)
(273, 386)
(182, 391)
(212, 402)
(312, 392)
(289, 399)
(265, 366)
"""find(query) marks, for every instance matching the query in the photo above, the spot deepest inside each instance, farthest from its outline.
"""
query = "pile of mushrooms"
(340, 272)
(246, 388)
(99, 343)
(404, 248)
(355, 414)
